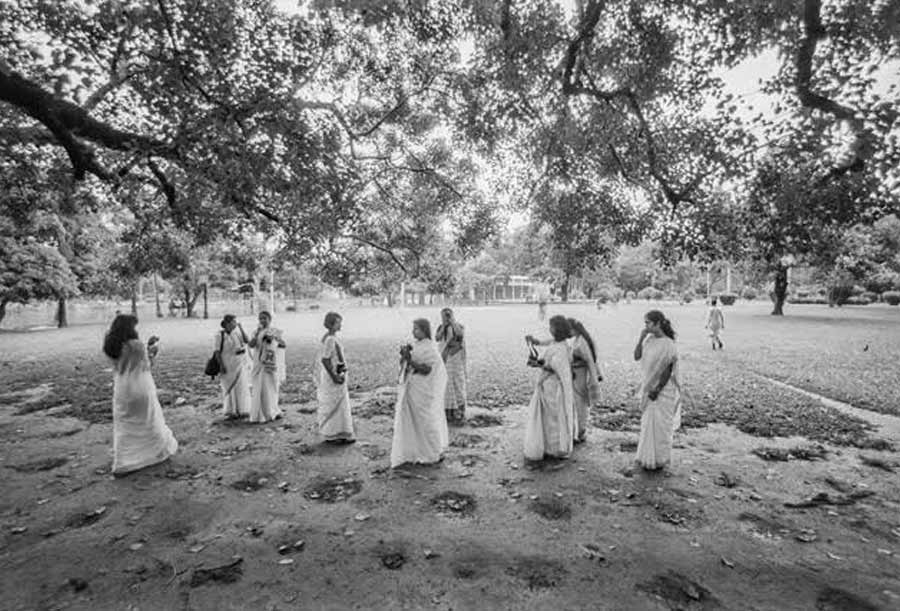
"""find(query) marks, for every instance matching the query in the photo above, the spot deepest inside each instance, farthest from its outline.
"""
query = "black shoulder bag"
(212, 365)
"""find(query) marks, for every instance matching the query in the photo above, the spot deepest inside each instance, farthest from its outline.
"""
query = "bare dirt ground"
(774, 500)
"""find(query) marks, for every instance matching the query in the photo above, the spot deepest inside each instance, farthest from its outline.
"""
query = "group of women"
(431, 389)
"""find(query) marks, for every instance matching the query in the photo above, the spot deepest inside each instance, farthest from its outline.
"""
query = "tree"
(30, 270)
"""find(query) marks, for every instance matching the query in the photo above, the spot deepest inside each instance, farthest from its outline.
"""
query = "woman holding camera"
(234, 375)
(140, 435)
(332, 394)
(420, 427)
(268, 370)
(550, 428)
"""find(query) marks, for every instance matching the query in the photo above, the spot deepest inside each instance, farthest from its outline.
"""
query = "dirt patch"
(769, 527)
(43, 464)
(616, 421)
(392, 554)
(80, 520)
(470, 440)
(372, 452)
(628, 447)
(484, 420)
(332, 489)
(835, 599)
(253, 481)
(454, 503)
(552, 508)
(679, 592)
(381, 403)
(538, 573)
(813, 452)
(677, 513)
(226, 573)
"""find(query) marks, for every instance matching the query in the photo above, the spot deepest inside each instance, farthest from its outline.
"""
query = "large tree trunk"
(189, 303)
(781, 286)
(3, 303)
(134, 301)
(62, 315)
(564, 289)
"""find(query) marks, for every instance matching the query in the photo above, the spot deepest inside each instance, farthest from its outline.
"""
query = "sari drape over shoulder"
(235, 382)
(662, 416)
(452, 346)
(585, 386)
(420, 427)
(268, 374)
(550, 427)
(333, 414)
(140, 435)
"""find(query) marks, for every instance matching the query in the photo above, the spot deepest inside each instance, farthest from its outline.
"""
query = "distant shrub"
(700, 291)
(839, 293)
(657, 294)
(796, 299)
(645, 293)
(872, 297)
(748, 293)
(727, 298)
(857, 290)
(860, 300)
(290, 308)
(891, 297)
(687, 298)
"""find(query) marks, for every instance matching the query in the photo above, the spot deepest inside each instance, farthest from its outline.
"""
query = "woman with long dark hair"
(550, 424)
(586, 376)
(660, 392)
(140, 435)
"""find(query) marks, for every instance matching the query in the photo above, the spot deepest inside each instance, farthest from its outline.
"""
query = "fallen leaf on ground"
(727, 562)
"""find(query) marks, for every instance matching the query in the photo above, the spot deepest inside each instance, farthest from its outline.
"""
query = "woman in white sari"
(140, 435)
(550, 428)
(234, 370)
(268, 370)
(660, 393)
(452, 346)
(332, 393)
(585, 377)
(420, 427)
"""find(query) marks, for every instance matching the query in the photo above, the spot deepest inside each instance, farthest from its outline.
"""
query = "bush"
(857, 301)
(291, 308)
(872, 297)
(687, 298)
(748, 293)
(727, 298)
(840, 293)
(657, 294)
(700, 291)
(891, 297)
(645, 293)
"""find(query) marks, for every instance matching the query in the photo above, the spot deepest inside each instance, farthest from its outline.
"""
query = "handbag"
(212, 365)
(533, 358)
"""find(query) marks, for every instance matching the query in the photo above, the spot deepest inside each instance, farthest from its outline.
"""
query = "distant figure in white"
(140, 435)
(715, 322)
(551, 425)
(420, 427)
(234, 367)
(332, 393)
(268, 370)
(450, 336)
(660, 392)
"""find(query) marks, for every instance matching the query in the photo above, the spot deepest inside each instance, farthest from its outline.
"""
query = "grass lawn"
(265, 517)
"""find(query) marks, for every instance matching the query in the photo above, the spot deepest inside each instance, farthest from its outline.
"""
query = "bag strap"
(222, 342)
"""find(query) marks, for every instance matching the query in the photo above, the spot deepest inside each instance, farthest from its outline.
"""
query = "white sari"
(235, 382)
(585, 386)
(550, 428)
(452, 346)
(268, 374)
(140, 435)
(661, 417)
(334, 416)
(420, 426)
